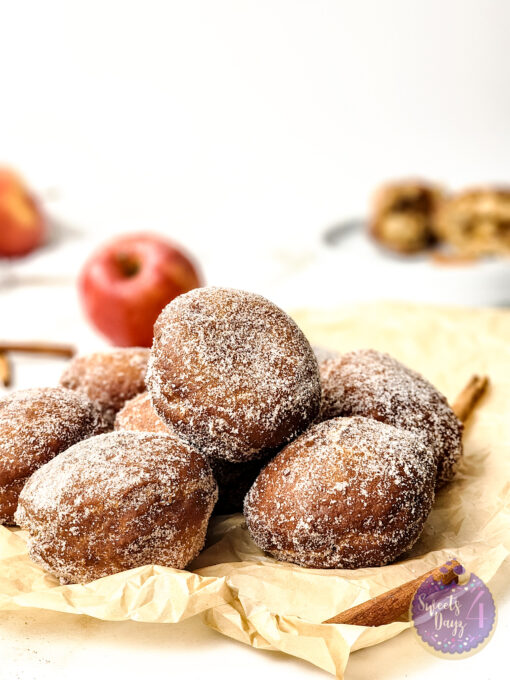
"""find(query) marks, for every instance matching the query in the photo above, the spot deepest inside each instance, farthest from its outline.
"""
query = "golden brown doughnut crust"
(117, 501)
(232, 373)
(234, 479)
(375, 385)
(348, 493)
(35, 426)
(139, 415)
(476, 222)
(108, 378)
(403, 215)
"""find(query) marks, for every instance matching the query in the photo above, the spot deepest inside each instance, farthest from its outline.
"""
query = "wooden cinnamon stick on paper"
(394, 604)
(66, 351)
(467, 400)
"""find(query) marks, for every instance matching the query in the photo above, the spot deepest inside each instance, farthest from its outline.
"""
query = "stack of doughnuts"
(334, 459)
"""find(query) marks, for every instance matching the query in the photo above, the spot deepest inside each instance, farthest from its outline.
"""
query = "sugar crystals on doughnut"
(35, 426)
(232, 373)
(375, 385)
(118, 501)
(348, 493)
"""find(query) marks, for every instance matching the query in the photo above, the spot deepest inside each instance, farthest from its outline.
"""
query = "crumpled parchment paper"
(277, 606)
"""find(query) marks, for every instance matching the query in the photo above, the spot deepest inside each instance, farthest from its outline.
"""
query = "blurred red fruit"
(126, 283)
(22, 227)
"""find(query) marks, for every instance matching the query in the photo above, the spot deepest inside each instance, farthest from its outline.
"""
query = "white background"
(242, 129)
(245, 128)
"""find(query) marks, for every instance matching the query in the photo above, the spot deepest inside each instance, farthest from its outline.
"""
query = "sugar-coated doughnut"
(117, 501)
(35, 426)
(108, 378)
(348, 493)
(232, 373)
(375, 385)
(234, 479)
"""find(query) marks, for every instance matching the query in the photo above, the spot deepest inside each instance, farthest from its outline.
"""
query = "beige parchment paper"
(270, 605)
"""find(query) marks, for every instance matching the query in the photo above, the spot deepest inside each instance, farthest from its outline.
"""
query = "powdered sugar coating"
(232, 373)
(35, 426)
(118, 501)
(108, 378)
(234, 479)
(348, 493)
(375, 385)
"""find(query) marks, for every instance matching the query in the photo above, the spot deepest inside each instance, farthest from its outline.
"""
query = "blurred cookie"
(476, 222)
(403, 215)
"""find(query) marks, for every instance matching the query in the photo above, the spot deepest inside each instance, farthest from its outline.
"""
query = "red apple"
(126, 283)
(22, 227)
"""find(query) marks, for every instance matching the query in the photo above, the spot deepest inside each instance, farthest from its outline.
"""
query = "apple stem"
(129, 265)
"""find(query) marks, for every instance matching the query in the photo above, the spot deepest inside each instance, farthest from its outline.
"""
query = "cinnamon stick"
(5, 370)
(66, 351)
(394, 604)
(465, 403)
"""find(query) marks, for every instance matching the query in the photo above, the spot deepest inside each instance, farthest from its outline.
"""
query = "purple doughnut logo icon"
(453, 619)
